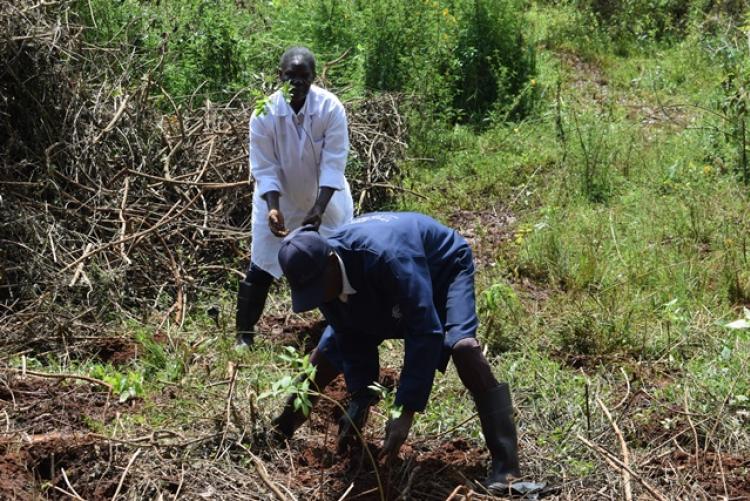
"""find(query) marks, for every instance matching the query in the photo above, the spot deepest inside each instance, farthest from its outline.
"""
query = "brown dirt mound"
(116, 350)
(40, 405)
(300, 333)
(724, 476)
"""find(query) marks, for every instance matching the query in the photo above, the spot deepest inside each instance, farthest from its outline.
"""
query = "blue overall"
(414, 280)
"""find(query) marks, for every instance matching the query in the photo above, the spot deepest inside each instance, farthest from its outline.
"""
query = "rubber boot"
(352, 423)
(495, 410)
(251, 300)
(286, 423)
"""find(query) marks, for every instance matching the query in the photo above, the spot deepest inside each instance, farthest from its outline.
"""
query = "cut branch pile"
(113, 195)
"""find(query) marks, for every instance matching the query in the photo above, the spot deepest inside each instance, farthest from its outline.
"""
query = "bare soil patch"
(485, 231)
(301, 333)
(49, 431)
(429, 471)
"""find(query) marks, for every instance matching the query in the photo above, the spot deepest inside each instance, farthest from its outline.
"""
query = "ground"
(51, 446)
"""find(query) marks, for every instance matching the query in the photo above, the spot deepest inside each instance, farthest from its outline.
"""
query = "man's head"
(297, 66)
(311, 267)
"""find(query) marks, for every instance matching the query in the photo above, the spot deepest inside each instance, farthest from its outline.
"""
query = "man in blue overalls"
(398, 276)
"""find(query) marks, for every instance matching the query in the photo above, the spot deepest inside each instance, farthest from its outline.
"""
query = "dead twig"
(615, 461)
(628, 491)
(125, 473)
(72, 492)
(113, 122)
(263, 474)
(167, 218)
(51, 375)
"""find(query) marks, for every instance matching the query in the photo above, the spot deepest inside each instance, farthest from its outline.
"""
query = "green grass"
(634, 227)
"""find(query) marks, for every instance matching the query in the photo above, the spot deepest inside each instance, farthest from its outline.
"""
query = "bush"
(203, 47)
(462, 59)
(638, 22)
(494, 62)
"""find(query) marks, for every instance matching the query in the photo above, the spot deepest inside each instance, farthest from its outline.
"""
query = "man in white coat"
(298, 152)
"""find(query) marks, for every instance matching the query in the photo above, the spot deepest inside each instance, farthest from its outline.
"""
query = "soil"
(429, 471)
(115, 350)
(49, 423)
(50, 428)
(485, 231)
(300, 333)
(722, 476)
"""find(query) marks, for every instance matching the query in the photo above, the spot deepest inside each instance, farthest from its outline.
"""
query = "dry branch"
(615, 461)
(64, 376)
(113, 182)
(628, 490)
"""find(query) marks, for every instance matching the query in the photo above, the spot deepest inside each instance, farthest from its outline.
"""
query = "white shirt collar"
(346, 288)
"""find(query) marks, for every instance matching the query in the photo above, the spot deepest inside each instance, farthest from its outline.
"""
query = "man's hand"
(276, 223)
(396, 432)
(314, 217)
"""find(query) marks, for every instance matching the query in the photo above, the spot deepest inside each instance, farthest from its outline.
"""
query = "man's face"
(300, 77)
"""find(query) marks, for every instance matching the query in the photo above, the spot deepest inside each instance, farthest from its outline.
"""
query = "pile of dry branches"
(113, 196)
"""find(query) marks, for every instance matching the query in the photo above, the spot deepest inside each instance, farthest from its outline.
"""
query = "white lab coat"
(296, 167)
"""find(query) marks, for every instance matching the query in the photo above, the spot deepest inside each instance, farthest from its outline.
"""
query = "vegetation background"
(594, 152)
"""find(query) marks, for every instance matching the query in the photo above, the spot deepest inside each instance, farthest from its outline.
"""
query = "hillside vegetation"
(593, 152)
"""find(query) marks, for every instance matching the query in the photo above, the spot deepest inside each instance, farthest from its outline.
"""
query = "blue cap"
(303, 258)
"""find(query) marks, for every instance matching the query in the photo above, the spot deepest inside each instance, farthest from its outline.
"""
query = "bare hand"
(396, 432)
(276, 223)
(314, 217)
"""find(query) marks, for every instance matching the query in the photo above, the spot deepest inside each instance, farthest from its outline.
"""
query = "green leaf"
(396, 411)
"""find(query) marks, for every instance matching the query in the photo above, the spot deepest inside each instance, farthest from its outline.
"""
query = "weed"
(502, 317)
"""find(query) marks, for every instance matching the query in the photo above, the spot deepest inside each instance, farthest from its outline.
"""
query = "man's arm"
(332, 163)
(335, 150)
(264, 167)
(411, 282)
(423, 339)
(315, 215)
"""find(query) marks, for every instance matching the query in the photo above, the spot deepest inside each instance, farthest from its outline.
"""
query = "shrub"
(494, 62)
